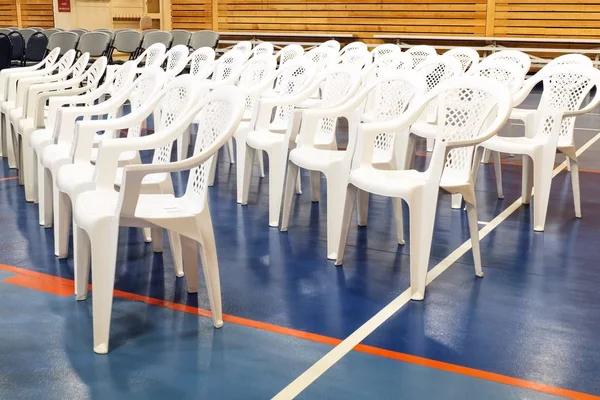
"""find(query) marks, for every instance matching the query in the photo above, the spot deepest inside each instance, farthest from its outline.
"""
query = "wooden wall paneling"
(8, 13)
(37, 13)
(191, 14)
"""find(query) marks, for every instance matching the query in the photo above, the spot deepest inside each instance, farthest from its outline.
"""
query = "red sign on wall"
(64, 5)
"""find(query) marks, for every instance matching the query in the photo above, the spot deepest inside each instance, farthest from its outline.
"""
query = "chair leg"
(42, 192)
(527, 182)
(2, 137)
(430, 144)
(183, 143)
(542, 182)
(404, 151)
(315, 186)
(574, 163)
(277, 162)
(81, 261)
(230, 151)
(261, 163)
(398, 216)
(147, 232)
(498, 172)
(290, 183)
(351, 193)
(210, 267)
(456, 202)
(474, 231)
(157, 239)
(47, 208)
(104, 240)
(62, 223)
(485, 159)
(363, 207)
(299, 183)
(336, 197)
(189, 250)
(247, 174)
(10, 147)
(422, 219)
(28, 171)
(175, 244)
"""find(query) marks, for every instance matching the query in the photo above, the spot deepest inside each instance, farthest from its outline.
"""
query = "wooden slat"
(37, 13)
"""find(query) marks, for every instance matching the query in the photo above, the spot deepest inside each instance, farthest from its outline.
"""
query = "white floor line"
(577, 129)
(482, 222)
(336, 354)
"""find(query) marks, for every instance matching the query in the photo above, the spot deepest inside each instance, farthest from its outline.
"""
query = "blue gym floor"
(529, 329)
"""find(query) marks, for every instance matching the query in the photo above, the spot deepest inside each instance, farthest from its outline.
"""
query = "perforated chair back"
(204, 39)
(65, 41)
(95, 43)
(180, 36)
(5, 51)
(201, 62)
(36, 48)
(18, 46)
(421, 54)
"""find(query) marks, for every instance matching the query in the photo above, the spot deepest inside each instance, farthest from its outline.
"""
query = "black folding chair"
(5, 51)
(35, 50)
(18, 48)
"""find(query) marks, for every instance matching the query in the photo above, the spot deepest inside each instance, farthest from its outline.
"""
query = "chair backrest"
(18, 45)
(27, 33)
(503, 71)
(394, 61)
(332, 44)
(5, 31)
(219, 116)
(518, 57)
(354, 46)
(5, 51)
(127, 41)
(420, 54)
(65, 41)
(201, 61)
(50, 32)
(122, 77)
(204, 39)
(95, 43)
(79, 31)
(109, 32)
(321, 57)
(153, 56)
(228, 64)
(36, 28)
(436, 70)
(157, 37)
(291, 79)
(570, 59)
(177, 59)
(357, 58)
(289, 52)
(180, 36)
(262, 49)
(467, 56)
(36, 47)
(385, 49)
(147, 31)
(146, 87)
(245, 47)
(253, 75)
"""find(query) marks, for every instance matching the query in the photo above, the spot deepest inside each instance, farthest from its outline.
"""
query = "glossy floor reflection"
(534, 316)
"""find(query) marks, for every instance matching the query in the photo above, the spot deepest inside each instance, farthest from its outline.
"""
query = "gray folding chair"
(64, 40)
(126, 41)
(49, 32)
(5, 31)
(36, 28)
(26, 33)
(180, 36)
(79, 32)
(204, 39)
(108, 32)
(155, 37)
(95, 43)
(147, 31)
(13, 28)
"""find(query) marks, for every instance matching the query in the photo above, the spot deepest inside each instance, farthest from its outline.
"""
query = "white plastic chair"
(548, 129)
(264, 48)
(331, 44)
(567, 59)
(322, 57)
(177, 60)
(421, 54)
(359, 59)
(436, 70)
(34, 116)
(45, 64)
(73, 174)
(289, 52)
(61, 65)
(334, 163)
(467, 56)
(42, 138)
(354, 46)
(384, 50)
(245, 47)
(202, 62)
(98, 213)
(471, 110)
(516, 56)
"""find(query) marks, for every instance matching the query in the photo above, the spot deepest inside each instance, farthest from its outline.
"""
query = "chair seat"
(316, 159)
(152, 179)
(124, 157)
(56, 155)
(15, 114)
(6, 106)
(25, 125)
(518, 145)
(75, 178)
(264, 139)
(423, 129)
(391, 183)
(40, 138)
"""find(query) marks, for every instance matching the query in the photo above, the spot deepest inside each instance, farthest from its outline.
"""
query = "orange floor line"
(10, 178)
(65, 287)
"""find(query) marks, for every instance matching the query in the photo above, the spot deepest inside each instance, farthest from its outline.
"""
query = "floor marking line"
(10, 178)
(336, 354)
(64, 287)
